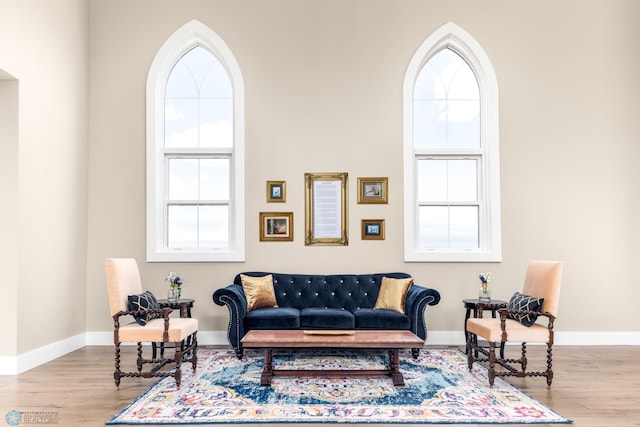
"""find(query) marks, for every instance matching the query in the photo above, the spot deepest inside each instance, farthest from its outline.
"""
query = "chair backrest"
(543, 280)
(123, 279)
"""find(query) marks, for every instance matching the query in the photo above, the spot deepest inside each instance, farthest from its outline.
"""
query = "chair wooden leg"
(492, 363)
(139, 361)
(117, 372)
(470, 352)
(178, 359)
(549, 370)
(194, 354)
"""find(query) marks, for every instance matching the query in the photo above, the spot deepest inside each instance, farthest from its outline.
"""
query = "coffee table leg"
(267, 371)
(394, 368)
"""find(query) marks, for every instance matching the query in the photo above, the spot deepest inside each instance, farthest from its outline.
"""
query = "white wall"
(323, 83)
(8, 213)
(43, 47)
(323, 94)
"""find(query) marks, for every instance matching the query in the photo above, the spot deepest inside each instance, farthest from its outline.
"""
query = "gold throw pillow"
(392, 294)
(259, 291)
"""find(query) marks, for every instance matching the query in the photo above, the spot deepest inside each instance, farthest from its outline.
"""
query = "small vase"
(484, 294)
(172, 295)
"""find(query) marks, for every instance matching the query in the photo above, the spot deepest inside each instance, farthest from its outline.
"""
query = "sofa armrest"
(233, 297)
(416, 303)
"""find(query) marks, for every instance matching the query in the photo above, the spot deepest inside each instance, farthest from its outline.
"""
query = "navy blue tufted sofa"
(314, 301)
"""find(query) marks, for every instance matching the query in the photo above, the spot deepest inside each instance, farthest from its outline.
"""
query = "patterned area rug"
(439, 390)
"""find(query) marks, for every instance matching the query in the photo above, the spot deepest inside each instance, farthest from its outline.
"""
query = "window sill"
(451, 256)
(200, 256)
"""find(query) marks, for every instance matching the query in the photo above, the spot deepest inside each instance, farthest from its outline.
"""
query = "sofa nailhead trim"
(231, 316)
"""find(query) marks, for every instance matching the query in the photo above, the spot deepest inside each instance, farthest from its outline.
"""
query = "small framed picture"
(276, 191)
(276, 226)
(373, 229)
(373, 190)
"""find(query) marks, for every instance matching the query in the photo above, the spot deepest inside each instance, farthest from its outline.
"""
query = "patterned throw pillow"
(520, 302)
(144, 301)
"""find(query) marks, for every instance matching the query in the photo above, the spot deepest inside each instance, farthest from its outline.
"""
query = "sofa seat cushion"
(370, 318)
(326, 318)
(273, 318)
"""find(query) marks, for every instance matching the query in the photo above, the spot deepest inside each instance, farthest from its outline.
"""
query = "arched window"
(195, 150)
(451, 151)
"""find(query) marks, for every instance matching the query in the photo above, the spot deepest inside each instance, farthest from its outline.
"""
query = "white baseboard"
(204, 338)
(8, 365)
(560, 338)
(13, 365)
(597, 338)
(16, 365)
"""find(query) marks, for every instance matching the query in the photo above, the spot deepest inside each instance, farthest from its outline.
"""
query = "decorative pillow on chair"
(520, 302)
(392, 294)
(259, 291)
(144, 301)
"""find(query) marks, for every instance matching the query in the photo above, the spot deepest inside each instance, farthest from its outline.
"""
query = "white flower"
(485, 277)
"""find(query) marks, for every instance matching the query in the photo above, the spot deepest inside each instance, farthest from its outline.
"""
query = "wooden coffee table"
(380, 339)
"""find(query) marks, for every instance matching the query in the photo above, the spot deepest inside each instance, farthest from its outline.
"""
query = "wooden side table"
(478, 306)
(184, 305)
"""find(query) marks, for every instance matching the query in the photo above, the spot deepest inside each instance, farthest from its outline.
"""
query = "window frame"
(450, 36)
(192, 34)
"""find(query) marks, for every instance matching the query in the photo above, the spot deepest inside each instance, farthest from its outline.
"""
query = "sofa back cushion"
(348, 291)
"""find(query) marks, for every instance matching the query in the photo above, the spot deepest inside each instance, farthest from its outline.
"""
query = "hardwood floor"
(593, 386)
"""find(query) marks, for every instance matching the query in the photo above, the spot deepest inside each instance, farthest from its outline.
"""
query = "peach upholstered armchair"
(150, 324)
(528, 318)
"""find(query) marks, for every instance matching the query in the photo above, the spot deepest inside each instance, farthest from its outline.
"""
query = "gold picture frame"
(373, 190)
(276, 226)
(373, 229)
(276, 191)
(326, 209)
